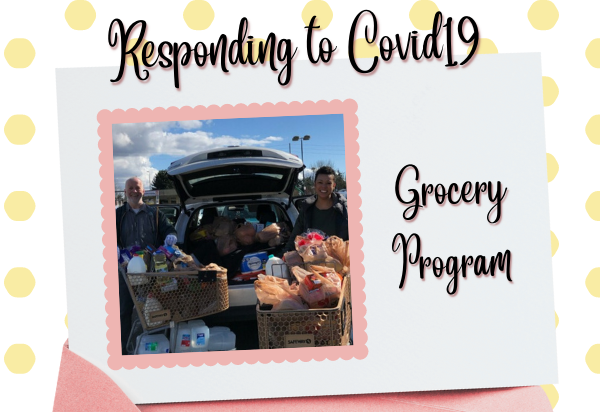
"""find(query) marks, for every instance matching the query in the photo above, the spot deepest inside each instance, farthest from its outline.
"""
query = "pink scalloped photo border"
(107, 118)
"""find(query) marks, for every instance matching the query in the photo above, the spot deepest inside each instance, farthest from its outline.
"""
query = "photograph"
(232, 234)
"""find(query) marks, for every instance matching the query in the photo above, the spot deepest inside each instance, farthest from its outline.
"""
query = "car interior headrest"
(208, 216)
(267, 217)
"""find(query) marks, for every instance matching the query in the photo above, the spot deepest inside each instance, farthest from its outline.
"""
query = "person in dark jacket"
(326, 211)
(138, 225)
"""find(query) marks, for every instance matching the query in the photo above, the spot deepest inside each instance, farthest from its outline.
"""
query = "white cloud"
(190, 124)
(308, 173)
(133, 166)
(121, 140)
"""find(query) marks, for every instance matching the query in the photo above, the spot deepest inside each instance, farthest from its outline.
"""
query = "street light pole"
(295, 139)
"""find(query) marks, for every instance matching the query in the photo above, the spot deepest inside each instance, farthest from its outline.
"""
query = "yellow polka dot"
(592, 282)
(552, 167)
(421, 14)
(67, 321)
(19, 129)
(80, 15)
(19, 358)
(553, 242)
(138, 51)
(364, 49)
(593, 206)
(592, 358)
(485, 46)
(255, 46)
(551, 393)
(320, 9)
(543, 15)
(19, 53)
(19, 206)
(592, 53)
(592, 129)
(198, 15)
(555, 320)
(19, 282)
(550, 90)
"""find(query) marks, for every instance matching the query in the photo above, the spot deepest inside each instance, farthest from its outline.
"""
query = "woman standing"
(326, 211)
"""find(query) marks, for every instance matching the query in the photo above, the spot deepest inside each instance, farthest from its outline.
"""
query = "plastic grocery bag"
(312, 252)
(310, 245)
(223, 226)
(321, 291)
(226, 244)
(292, 258)
(339, 250)
(276, 291)
(245, 233)
(268, 233)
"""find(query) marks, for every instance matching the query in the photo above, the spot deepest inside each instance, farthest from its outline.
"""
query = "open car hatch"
(238, 172)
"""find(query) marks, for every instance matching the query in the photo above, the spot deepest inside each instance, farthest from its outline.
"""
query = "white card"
(493, 332)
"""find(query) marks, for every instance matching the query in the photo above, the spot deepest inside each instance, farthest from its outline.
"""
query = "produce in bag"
(223, 226)
(289, 303)
(245, 233)
(226, 244)
(310, 245)
(275, 291)
(268, 233)
(339, 250)
(312, 252)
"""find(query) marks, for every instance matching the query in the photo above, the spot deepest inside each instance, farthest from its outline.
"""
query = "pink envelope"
(83, 387)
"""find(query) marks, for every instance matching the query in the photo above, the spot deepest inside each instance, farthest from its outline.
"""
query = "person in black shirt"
(138, 225)
(326, 211)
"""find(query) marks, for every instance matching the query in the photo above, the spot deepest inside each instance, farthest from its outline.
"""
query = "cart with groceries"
(312, 307)
(171, 292)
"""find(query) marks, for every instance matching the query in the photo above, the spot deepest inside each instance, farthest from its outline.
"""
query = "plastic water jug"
(184, 338)
(221, 339)
(137, 265)
(277, 267)
(200, 335)
(153, 344)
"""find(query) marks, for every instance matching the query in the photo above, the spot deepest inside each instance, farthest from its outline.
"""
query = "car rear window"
(249, 212)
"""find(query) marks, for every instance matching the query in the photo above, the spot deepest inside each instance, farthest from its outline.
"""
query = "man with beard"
(138, 225)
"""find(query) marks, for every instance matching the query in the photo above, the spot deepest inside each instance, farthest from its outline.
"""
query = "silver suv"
(249, 184)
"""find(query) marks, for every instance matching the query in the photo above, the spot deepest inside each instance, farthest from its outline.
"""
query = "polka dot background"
(73, 34)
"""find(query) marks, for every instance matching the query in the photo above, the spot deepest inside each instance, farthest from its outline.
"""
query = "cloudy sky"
(142, 149)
